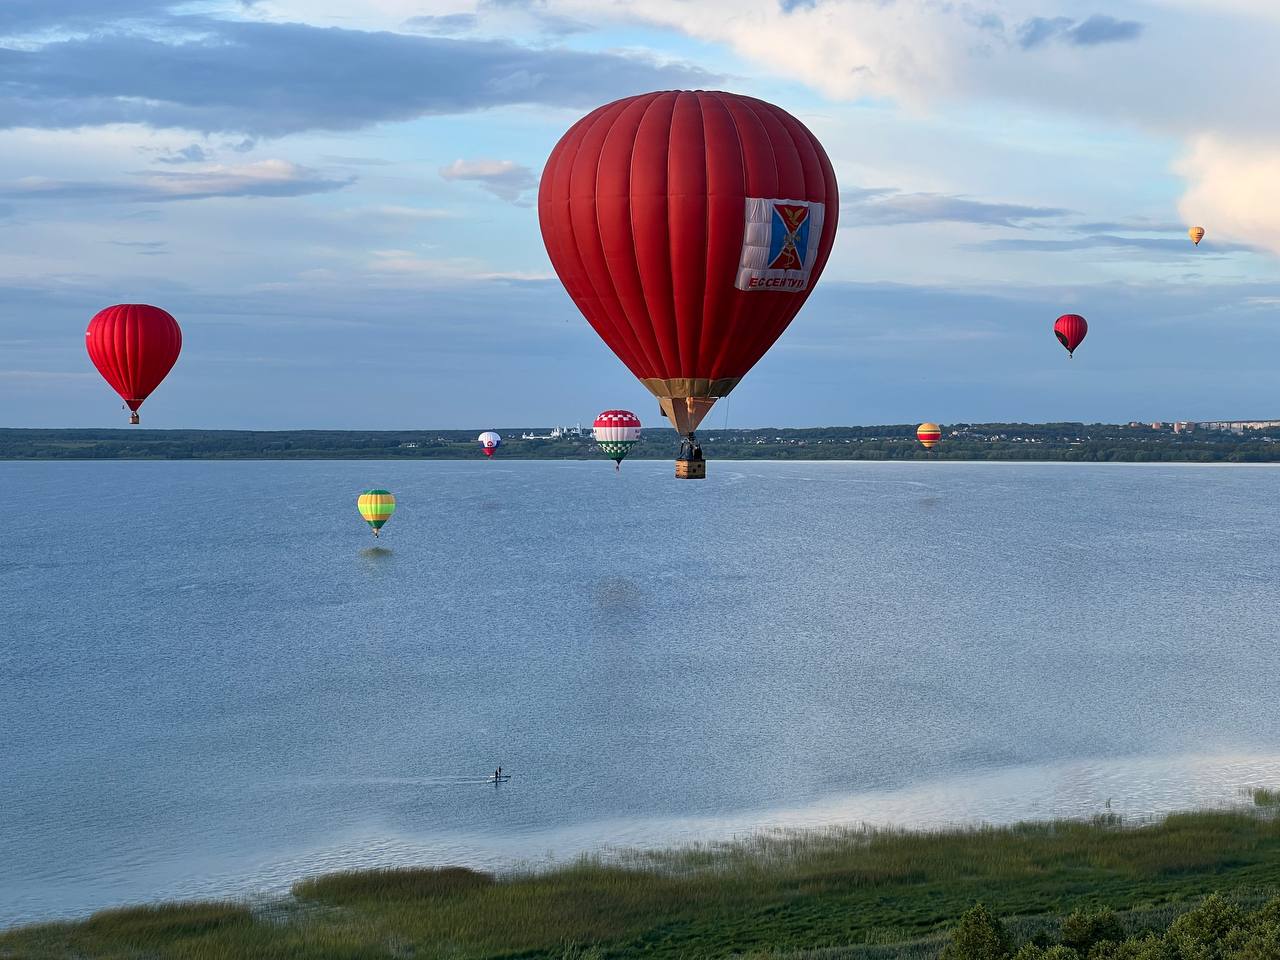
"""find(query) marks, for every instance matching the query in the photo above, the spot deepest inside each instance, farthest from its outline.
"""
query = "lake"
(213, 680)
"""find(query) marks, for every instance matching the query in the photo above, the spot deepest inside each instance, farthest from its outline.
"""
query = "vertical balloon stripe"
(555, 201)
(618, 269)
(613, 204)
(687, 226)
(726, 189)
(650, 231)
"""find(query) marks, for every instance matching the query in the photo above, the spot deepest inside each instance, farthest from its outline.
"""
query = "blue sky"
(334, 198)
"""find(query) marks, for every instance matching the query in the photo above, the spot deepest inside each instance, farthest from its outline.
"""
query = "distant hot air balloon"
(617, 431)
(134, 346)
(928, 434)
(1070, 329)
(489, 442)
(689, 227)
(376, 506)
(1196, 234)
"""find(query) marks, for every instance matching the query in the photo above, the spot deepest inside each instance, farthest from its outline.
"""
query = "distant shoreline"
(1017, 442)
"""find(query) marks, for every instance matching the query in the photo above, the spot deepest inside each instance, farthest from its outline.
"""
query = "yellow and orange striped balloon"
(1196, 234)
(928, 434)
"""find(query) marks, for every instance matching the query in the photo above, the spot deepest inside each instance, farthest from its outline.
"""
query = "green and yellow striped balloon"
(376, 506)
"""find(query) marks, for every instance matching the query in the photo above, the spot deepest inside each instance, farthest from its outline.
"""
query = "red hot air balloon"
(689, 227)
(134, 346)
(1070, 329)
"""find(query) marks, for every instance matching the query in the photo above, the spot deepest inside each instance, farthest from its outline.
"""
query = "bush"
(1084, 929)
(1203, 933)
(979, 936)
(1032, 951)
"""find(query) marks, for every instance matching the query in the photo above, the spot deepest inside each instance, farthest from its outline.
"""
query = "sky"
(335, 198)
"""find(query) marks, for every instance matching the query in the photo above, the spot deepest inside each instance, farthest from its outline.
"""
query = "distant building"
(1239, 426)
(1157, 425)
(557, 433)
(1183, 426)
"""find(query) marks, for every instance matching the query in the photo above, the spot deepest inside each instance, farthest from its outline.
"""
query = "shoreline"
(1065, 791)
(856, 884)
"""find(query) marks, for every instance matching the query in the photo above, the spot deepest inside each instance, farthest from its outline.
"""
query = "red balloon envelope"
(1070, 329)
(134, 346)
(689, 227)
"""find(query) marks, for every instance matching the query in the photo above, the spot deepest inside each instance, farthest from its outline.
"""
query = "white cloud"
(266, 178)
(1156, 68)
(1232, 190)
(503, 178)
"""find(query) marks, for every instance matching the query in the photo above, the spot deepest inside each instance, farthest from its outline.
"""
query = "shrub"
(1083, 929)
(979, 936)
(1202, 933)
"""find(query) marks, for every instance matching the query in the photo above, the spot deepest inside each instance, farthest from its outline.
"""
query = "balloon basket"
(134, 418)
(691, 469)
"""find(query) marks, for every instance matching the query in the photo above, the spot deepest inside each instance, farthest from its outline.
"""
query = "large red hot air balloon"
(134, 346)
(1070, 329)
(689, 227)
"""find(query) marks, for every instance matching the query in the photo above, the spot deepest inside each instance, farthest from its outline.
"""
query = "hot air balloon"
(928, 434)
(1196, 234)
(689, 227)
(489, 442)
(1070, 329)
(617, 431)
(376, 506)
(134, 346)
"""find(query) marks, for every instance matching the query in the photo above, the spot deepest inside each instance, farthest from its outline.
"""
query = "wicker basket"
(691, 469)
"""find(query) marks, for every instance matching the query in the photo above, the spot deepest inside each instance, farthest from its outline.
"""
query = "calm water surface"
(212, 682)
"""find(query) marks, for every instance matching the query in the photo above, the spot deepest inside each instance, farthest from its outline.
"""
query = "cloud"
(1178, 246)
(266, 178)
(1091, 32)
(887, 207)
(1101, 28)
(1232, 190)
(445, 24)
(18, 17)
(272, 79)
(503, 178)
(192, 154)
(144, 248)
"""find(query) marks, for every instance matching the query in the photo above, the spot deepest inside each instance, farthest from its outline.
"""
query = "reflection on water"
(273, 695)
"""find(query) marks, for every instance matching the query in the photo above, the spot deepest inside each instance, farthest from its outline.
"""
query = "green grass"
(840, 893)
(1263, 797)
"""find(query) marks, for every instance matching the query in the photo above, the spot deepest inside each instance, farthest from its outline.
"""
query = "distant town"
(1226, 441)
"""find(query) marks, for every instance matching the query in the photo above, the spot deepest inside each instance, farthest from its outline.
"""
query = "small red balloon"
(1070, 329)
(134, 346)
